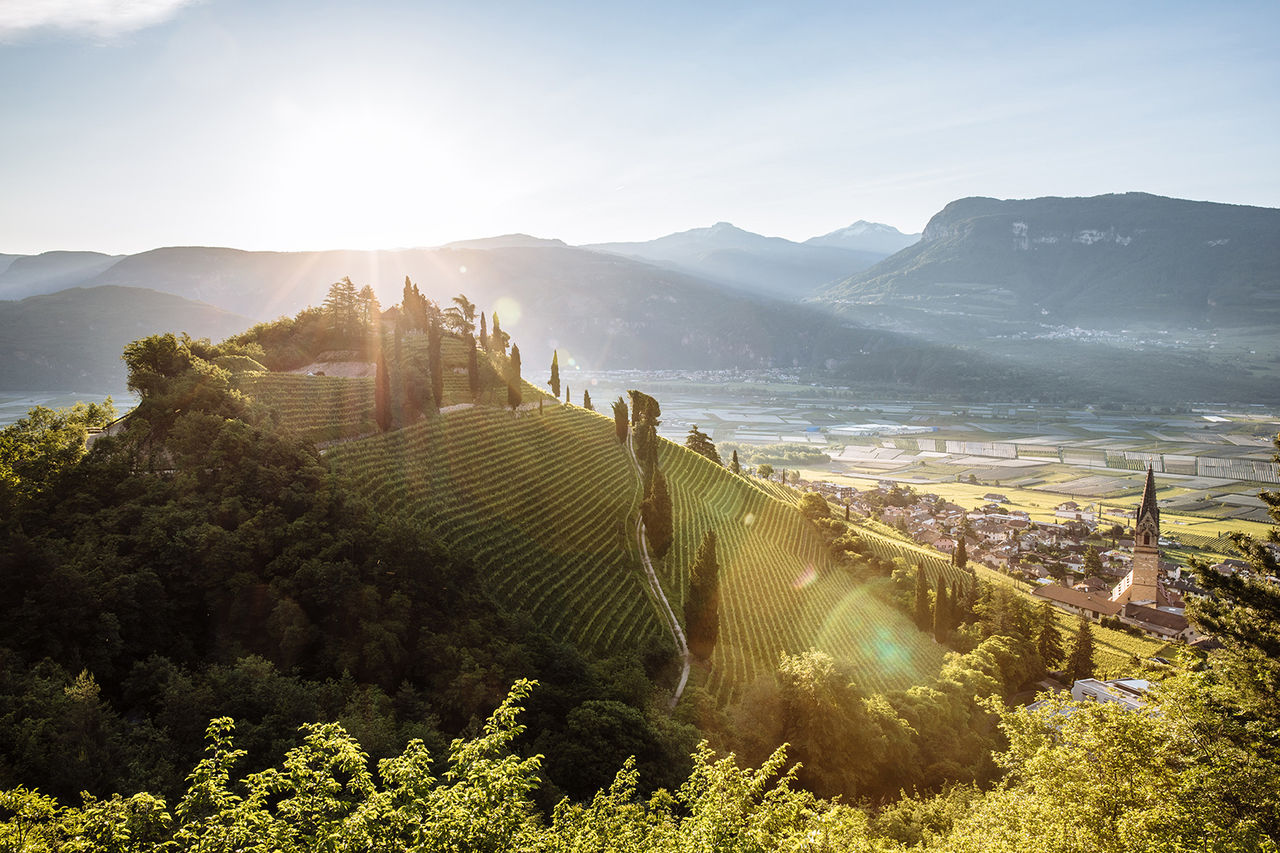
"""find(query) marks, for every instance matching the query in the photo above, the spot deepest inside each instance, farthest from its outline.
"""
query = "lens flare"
(808, 576)
(509, 310)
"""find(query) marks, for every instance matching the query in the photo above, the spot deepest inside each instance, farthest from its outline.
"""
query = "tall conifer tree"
(1080, 658)
(484, 335)
(473, 367)
(436, 361)
(382, 395)
(620, 419)
(586, 400)
(657, 514)
(702, 607)
(497, 337)
(1048, 640)
(733, 463)
(515, 394)
(922, 599)
(941, 611)
(554, 381)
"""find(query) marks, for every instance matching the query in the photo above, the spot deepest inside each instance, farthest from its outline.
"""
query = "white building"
(1128, 692)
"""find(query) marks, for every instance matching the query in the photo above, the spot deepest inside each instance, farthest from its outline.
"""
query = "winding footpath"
(664, 609)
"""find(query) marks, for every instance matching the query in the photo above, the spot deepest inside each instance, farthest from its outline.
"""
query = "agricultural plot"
(543, 503)
(779, 588)
(320, 408)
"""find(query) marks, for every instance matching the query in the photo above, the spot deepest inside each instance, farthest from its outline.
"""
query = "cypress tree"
(1080, 659)
(941, 611)
(484, 336)
(620, 419)
(382, 395)
(956, 614)
(657, 515)
(702, 607)
(498, 338)
(846, 512)
(961, 555)
(733, 464)
(1049, 640)
(514, 392)
(922, 599)
(473, 367)
(566, 395)
(586, 400)
(554, 381)
(436, 361)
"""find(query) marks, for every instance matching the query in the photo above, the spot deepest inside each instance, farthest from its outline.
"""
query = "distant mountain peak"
(506, 241)
(866, 236)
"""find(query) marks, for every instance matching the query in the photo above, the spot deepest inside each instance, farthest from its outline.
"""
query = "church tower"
(1142, 584)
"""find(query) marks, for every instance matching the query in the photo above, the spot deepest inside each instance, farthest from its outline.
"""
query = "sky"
(127, 125)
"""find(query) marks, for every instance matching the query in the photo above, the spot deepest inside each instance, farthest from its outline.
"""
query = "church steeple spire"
(1143, 586)
(1149, 506)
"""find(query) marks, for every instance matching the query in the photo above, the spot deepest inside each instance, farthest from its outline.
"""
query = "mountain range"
(1039, 298)
(1110, 261)
(768, 266)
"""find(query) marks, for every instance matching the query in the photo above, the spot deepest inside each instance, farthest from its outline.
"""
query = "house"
(1127, 692)
(1159, 622)
(1090, 605)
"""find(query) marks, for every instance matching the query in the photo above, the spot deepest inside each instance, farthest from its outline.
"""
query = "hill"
(1110, 261)
(29, 275)
(506, 241)
(769, 266)
(544, 501)
(71, 340)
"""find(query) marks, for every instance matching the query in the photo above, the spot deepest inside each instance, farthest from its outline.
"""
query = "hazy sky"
(131, 124)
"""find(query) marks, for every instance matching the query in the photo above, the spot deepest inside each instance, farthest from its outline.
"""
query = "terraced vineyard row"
(779, 588)
(543, 503)
(1219, 544)
(316, 407)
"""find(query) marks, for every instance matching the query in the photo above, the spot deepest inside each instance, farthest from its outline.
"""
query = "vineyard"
(545, 503)
(321, 408)
(779, 588)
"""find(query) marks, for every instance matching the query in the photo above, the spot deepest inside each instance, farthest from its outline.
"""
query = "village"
(1109, 573)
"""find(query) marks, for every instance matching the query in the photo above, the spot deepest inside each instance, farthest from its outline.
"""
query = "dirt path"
(664, 606)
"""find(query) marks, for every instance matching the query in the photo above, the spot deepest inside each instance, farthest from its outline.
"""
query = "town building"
(1128, 692)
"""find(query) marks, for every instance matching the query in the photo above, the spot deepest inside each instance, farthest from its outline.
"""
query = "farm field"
(543, 503)
(1196, 530)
